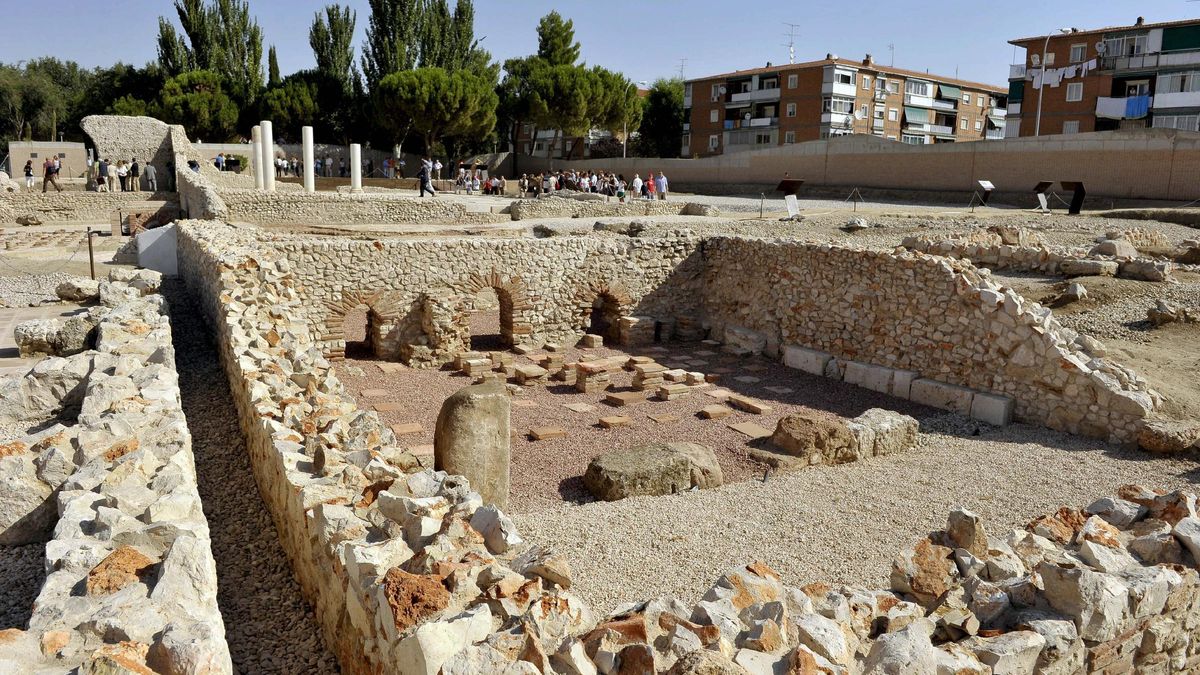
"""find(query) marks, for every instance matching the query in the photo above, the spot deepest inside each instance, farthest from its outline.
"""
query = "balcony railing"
(756, 95)
(994, 134)
(754, 122)
(1016, 71)
(940, 104)
(1114, 108)
(1178, 99)
(941, 129)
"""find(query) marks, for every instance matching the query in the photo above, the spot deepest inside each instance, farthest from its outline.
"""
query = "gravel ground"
(19, 289)
(838, 524)
(22, 572)
(269, 626)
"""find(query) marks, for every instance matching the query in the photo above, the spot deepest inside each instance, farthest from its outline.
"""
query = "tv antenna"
(791, 43)
(892, 49)
(682, 63)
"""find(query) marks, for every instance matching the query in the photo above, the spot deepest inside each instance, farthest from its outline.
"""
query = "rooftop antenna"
(682, 63)
(791, 43)
(892, 49)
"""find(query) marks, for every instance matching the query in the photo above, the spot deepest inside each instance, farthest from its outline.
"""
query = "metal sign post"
(91, 256)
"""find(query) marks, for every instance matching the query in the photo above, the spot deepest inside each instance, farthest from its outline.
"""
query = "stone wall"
(73, 206)
(131, 578)
(565, 207)
(198, 198)
(409, 572)
(120, 137)
(1066, 260)
(295, 207)
(547, 286)
(939, 318)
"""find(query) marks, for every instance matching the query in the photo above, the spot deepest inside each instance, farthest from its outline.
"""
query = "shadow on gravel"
(269, 626)
(22, 572)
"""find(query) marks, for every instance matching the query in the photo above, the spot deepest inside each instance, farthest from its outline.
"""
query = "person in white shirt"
(660, 184)
(636, 186)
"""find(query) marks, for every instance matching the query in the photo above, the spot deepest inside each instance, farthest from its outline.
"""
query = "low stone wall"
(295, 207)
(73, 206)
(564, 207)
(937, 317)
(1065, 260)
(198, 198)
(132, 584)
(409, 572)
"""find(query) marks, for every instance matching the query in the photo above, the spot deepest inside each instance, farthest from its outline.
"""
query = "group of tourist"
(128, 175)
(605, 183)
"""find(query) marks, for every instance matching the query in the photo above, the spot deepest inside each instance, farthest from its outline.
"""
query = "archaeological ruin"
(579, 436)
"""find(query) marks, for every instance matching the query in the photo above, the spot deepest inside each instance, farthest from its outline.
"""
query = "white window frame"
(1074, 92)
(838, 104)
(1078, 52)
(716, 92)
(789, 137)
(793, 81)
(1070, 127)
(978, 125)
(687, 138)
(714, 141)
(1184, 122)
(790, 110)
(1176, 83)
(982, 101)
(712, 116)
(866, 82)
(915, 88)
(1049, 58)
(893, 114)
(842, 77)
(912, 139)
(966, 97)
(877, 113)
(962, 124)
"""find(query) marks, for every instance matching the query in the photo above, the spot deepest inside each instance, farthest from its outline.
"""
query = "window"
(714, 142)
(1049, 58)
(1078, 52)
(687, 140)
(962, 124)
(1173, 83)
(916, 88)
(843, 78)
(793, 81)
(789, 137)
(966, 97)
(978, 125)
(1071, 127)
(838, 104)
(893, 115)
(1185, 122)
(982, 103)
(791, 110)
(1126, 45)
(878, 112)
(770, 84)
(866, 82)
(712, 116)
(893, 87)
(912, 139)
(762, 138)
(1075, 91)
(891, 137)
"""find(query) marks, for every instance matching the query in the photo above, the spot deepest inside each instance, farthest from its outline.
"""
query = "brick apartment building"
(1125, 77)
(792, 103)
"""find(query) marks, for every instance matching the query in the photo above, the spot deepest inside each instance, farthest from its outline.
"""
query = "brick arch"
(585, 300)
(383, 312)
(513, 295)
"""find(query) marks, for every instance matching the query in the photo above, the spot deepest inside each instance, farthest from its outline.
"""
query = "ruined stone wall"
(198, 198)
(295, 207)
(132, 581)
(565, 207)
(72, 206)
(120, 137)
(1044, 259)
(409, 572)
(937, 317)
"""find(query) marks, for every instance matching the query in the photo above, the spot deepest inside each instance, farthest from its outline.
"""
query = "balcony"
(839, 89)
(1016, 71)
(1181, 99)
(939, 104)
(1150, 61)
(999, 112)
(940, 130)
(753, 122)
(755, 96)
(994, 134)
(881, 95)
(1114, 108)
(918, 101)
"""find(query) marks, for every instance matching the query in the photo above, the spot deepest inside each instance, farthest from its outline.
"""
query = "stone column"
(472, 439)
(310, 181)
(268, 156)
(355, 168)
(256, 156)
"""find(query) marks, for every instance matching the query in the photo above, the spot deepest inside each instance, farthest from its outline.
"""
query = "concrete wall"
(73, 157)
(1149, 164)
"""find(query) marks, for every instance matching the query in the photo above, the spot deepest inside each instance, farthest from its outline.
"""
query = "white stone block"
(941, 395)
(992, 408)
(738, 337)
(902, 383)
(869, 376)
(810, 361)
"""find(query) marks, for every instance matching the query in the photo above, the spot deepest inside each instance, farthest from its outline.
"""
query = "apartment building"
(792, 103)
(1123, 77)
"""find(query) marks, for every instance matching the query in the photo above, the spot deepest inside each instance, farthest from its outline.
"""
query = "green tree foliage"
(440, 104)
(391, 45)
(28, 98)
(556, 40)
(291, 105)
(332, 40)
(128, 105)
(662, 120)
(220, 36)
(273, 77)
(197, 100)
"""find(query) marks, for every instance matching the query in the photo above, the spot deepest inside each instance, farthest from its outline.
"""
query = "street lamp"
(1037, 127)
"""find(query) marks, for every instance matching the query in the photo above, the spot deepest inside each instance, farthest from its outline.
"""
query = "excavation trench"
(269, 625)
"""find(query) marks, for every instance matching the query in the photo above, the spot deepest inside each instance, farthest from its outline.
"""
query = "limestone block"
(891, 431)
(472, 439)
(744, 340)
(994, 409)
(869, 376)
(902, 383)
(659, 469)
(941, 395)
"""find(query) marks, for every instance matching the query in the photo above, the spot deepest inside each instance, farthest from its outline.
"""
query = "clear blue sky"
(645, 39)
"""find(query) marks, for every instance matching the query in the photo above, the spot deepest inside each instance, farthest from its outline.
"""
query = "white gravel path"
(839, 524)
(269, 626)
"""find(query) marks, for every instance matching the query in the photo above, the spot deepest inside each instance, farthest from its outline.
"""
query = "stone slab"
(389, 367)
(942, 395)
(779, 390)
(721, 394)
(747, 404)
(389, 406)
(406, 428)
(615, 421)
(579, 407)
(519, 403)
(869, 376)
(547, 433)
(420, 450)
(715, 412)
(807, 360)
(994, 409)
(664, 419)
(376, 393)
(624, 398)
(750, 429)
(902, 383)
(747, 379)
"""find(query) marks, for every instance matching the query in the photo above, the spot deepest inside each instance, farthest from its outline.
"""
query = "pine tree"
(556, 40)
(273, 78)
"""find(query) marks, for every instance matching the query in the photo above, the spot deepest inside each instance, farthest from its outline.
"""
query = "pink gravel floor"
(551, 471)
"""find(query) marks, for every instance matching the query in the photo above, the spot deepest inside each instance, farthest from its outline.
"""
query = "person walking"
(151, 177)
(329, 166)
(103, 180)
(424, 176)
(29, 174)
(50, 170)
(220, 162)
(135, 176)
(660, 185)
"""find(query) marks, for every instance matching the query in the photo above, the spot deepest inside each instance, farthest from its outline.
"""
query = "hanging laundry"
(1111, 108)
(1071, 72)
(1037, 80)
(1053, 77)
(1137, 107)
